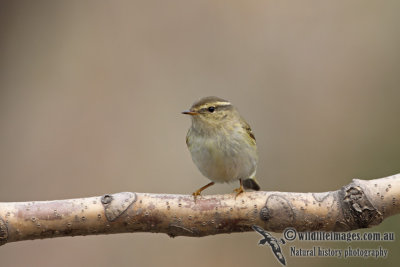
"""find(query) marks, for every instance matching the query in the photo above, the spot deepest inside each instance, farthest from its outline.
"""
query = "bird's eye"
(211, 109)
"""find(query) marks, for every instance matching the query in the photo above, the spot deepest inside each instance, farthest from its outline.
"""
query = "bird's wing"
(246, 126)
(259, 230)
(276, 249)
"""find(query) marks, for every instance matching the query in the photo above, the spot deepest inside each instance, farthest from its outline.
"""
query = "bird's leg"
(197, 193)
(240, 189)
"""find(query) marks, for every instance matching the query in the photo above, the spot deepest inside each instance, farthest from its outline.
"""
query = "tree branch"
(360, 204)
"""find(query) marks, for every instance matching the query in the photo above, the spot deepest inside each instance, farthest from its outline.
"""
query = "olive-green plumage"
(221, 143)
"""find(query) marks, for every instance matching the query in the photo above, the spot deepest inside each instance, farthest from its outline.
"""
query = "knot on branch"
(278, 212)
(358, 210)
(114, 205)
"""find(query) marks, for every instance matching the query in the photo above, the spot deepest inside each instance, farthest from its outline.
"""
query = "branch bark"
(360, 204)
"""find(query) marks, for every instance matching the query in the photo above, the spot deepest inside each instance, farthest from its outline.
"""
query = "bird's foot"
(195, 194)
(238, 191)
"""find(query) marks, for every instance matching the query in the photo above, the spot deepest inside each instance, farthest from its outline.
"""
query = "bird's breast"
(223, 159)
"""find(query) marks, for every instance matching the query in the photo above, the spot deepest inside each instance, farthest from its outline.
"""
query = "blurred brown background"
(91, 94)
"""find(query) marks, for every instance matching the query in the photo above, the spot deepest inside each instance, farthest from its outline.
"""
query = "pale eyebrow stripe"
(223, 103)
(216, 104)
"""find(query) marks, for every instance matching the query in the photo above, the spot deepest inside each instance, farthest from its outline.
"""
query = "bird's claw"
(195, 194)
(238, 191)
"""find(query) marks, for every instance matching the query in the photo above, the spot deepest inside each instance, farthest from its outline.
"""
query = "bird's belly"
(224, 163)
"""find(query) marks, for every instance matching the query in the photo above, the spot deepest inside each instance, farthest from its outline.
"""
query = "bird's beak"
(188, 112)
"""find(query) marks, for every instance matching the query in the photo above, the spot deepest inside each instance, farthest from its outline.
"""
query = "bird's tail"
(251, 184)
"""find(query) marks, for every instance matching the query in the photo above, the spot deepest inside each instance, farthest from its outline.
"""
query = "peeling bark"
(360, 204)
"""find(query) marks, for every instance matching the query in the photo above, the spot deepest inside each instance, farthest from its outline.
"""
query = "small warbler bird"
(222, 144)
